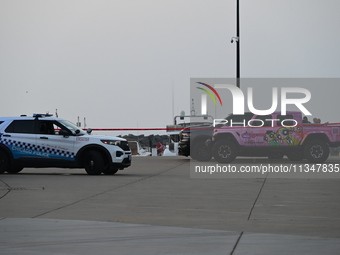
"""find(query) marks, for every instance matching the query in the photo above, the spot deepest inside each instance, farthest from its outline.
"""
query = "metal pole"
(238, 43)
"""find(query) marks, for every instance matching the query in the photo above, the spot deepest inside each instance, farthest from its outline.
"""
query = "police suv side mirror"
(89, 131)
(64, 133)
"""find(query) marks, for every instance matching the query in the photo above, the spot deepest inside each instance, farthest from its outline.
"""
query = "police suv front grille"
(124, 145)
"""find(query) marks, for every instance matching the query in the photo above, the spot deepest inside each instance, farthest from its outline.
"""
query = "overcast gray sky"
(118, 62)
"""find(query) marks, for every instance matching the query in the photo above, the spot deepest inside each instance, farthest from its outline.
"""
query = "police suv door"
(52, 145)
(20, 138)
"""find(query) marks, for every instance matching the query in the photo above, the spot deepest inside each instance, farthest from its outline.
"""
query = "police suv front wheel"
(93, 163)
(110, 170)
(224, 151)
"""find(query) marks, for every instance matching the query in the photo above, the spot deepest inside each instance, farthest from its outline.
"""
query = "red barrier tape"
(178, 129)
(127, 129)
(135, 129)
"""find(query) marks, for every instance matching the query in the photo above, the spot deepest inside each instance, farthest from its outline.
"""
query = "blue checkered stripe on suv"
(38, 150)
(55, 151)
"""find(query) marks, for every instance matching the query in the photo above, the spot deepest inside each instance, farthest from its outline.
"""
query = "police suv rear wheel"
(224, 151)
(93, 163)
(4, 162)
(14, 169)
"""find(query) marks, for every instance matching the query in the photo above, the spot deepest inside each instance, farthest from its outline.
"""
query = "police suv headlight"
(111, 142)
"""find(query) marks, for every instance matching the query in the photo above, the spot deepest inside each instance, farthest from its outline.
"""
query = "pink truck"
(275, 135)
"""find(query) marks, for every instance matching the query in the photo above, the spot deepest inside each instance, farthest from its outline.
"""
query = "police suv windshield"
(73, 128)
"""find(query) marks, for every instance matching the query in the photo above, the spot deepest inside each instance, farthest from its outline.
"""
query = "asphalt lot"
(156, 197)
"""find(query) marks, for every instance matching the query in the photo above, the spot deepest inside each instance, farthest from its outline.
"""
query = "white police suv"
(46, 141)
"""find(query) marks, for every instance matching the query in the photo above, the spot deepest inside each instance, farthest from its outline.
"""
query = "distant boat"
(136, 149)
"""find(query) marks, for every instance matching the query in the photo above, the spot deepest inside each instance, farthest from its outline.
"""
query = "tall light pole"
(237, 41)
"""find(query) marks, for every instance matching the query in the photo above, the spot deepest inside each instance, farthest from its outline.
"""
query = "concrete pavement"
(154, 207)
